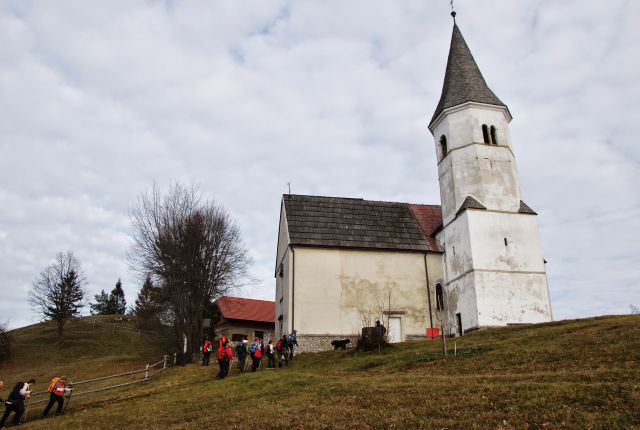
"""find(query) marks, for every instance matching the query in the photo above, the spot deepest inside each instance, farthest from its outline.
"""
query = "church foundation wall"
(322, 342)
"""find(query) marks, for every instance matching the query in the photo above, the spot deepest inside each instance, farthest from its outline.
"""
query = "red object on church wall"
(432, 333)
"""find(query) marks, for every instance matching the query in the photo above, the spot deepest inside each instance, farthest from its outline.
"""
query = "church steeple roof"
(463, 81)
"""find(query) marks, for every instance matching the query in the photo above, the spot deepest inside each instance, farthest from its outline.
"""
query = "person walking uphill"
(207, 347)
(228, 356)
(271, 355)
(221, 356)
(256, 354)
(241, 352)
(57, 389)
(15, 404)
(292, 340)
(281, 347)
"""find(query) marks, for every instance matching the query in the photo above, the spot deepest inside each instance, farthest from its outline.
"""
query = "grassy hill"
(572, 374)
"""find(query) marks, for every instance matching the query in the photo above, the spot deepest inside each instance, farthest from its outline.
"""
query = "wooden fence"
(118, 327)
(149, 371)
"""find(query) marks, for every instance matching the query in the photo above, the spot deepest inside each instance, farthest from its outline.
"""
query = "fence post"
(139, 333)
(175, 358)
(94, 322)
(114, 328)
(146, 372)
(164, 361)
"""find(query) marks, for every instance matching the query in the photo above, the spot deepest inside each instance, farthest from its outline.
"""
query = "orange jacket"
(56, 387)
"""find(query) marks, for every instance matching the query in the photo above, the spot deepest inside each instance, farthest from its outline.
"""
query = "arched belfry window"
(443, 145)
(439, 297)
(485, 133)
(494, 138)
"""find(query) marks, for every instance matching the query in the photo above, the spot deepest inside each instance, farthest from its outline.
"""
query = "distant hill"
(575, 374)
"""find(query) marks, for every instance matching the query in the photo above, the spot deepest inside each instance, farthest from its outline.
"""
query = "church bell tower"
(493, 264)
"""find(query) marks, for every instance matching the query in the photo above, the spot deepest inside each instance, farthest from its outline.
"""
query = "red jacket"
(223, 339)
(221, 353)
(207, 344)
(258, 353)
(229, 352)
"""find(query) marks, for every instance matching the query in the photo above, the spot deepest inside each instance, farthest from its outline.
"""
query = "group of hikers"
(18, 400)
(256, 350)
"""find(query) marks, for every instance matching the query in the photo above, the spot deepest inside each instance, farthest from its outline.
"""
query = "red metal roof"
(237, 308)
(429, 218)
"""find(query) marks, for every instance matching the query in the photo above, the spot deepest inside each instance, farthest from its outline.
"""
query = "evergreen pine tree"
(146, 308)
(102, 304)
(58, 292)
(118, 304)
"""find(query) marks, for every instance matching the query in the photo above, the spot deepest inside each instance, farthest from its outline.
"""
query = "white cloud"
(99, 101)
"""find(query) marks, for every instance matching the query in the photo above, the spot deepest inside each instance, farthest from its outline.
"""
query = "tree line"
(187, 250)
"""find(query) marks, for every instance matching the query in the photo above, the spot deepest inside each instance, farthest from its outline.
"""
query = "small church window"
(439, 297)
(506, 243)
(485, 133)
(494, 138)
(443, 145)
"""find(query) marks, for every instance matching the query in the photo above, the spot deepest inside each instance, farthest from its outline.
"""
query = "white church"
(475, 261)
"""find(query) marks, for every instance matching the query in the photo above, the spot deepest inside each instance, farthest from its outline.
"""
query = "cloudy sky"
(100, 99)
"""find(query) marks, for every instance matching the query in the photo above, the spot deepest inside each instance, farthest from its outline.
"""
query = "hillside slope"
(571, 374)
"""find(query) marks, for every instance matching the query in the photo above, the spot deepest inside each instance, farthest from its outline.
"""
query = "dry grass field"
(579, 374)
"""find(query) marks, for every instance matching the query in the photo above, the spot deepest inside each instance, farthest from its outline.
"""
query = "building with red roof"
(239, 318)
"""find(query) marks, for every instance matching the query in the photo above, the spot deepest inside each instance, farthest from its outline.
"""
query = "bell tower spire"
(463, 81)
(494, 271)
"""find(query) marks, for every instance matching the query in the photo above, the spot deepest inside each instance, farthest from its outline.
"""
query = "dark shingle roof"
(470, 203)
(463, 81)
(525, 209)
(353, 223)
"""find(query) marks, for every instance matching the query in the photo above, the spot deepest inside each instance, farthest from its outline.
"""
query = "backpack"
(279, 345)
(52, 385)
(221, 354)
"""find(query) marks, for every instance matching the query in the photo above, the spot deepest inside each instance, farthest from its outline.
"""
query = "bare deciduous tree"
(192, 249)
(58, 292)
(371, 336)
(442, 317)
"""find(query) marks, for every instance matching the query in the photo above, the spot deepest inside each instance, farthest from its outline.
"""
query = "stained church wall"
(335, 288)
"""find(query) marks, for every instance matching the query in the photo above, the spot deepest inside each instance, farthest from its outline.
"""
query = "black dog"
(342, 344)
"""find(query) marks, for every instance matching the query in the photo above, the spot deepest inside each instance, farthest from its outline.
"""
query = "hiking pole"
(66, 404)
(26, 410)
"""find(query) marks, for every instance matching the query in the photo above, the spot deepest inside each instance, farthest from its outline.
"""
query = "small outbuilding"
(239, 318)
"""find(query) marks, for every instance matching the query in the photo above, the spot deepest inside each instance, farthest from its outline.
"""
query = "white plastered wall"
(333, 287)
(511, 298)
(511, 283)
(283, 283)
(472, 168)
